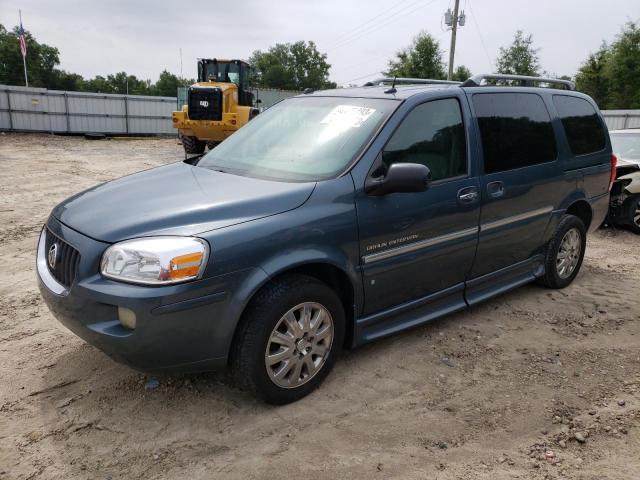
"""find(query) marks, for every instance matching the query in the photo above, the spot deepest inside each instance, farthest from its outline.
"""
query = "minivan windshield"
(626, 145)
(301, 139)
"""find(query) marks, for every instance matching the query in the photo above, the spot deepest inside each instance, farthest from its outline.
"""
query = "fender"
(556, 215)
(287, 260)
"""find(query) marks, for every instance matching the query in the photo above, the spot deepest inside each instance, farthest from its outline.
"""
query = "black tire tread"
(629, 206)
(192, 144)
(247, 337)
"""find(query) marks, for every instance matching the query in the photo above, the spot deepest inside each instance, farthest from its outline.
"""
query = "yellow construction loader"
(217, 105)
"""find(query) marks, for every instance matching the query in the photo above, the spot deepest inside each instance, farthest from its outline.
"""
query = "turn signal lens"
(185, 266)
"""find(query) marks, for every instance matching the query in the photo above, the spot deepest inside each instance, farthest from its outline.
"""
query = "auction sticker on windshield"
(349, 115)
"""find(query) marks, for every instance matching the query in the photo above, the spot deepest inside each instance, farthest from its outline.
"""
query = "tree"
(168, 83)
(422, 59)
(461, 73)
(611, 76)
(41, 60)
(291, 66)
(623, 69)
(591, 77)
(519, 58)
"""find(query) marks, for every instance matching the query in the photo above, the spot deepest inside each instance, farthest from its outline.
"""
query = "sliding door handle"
(495, 189)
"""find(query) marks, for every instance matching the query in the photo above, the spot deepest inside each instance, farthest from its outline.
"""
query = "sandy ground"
(485, 393)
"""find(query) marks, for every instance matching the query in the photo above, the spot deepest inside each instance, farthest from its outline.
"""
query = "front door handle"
(468, 195)
(495, 189)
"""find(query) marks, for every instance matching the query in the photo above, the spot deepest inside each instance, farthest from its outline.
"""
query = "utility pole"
(453, 20)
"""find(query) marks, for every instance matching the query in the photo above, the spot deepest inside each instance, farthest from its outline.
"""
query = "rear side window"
(515, 129)
(432, 135)
(584, 130)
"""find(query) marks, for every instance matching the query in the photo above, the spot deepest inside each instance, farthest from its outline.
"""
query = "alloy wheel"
(299, 345)
(569, 253)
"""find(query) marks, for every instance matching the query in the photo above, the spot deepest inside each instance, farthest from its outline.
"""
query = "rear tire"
(565, 252)
(631, 213)
(193, 145)
(288, 339)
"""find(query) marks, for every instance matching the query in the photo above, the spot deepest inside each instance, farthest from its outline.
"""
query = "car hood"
(176, 199)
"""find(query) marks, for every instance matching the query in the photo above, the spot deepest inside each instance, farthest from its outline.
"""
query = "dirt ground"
(534, 384)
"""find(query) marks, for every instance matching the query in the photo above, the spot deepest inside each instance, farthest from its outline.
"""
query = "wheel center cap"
(302, 345)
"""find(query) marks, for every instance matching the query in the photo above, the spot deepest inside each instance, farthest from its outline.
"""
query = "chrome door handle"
(468, 195)
(495, 189)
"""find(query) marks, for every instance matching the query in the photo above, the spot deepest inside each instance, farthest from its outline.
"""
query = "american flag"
(23, 41)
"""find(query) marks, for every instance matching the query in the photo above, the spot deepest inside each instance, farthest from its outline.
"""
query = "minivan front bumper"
(185, 327)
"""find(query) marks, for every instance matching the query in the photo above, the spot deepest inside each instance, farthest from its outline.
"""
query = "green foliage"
(291, 66)
(591, 77)
(519, 58)
(461, 73)
(42, 61)
(612, 75)
(422, 59)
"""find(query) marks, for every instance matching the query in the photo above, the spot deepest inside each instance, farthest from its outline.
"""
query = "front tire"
(193, 145)
(288, 339)
(565, 253)
(631, 209)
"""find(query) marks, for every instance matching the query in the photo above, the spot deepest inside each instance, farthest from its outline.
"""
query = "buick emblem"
(52, 255)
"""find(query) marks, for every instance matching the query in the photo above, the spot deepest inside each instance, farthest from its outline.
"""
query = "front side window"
(584, 130)
(301, 139)
(432, 135)
(515, 129)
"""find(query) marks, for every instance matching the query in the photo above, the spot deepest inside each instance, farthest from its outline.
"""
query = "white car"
(625, 195)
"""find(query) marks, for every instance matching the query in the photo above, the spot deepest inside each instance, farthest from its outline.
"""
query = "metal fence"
(619, 119)
(42, 110)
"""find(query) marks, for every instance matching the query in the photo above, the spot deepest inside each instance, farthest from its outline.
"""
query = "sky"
(145, 37)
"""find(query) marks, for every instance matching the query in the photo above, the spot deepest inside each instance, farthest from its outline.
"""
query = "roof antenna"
(393, 86)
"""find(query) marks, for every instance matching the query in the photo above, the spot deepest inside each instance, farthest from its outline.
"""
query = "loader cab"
(227, 71)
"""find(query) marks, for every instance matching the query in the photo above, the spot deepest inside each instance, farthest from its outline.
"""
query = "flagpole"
(24, 57)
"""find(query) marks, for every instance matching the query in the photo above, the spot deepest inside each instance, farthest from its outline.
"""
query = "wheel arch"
(581, 208)
(336, 272)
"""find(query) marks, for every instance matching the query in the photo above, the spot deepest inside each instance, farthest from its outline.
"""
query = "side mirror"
(400, 178)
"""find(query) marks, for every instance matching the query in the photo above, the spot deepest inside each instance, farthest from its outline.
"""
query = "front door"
(417, 244)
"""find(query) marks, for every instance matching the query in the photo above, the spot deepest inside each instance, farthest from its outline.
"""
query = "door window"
(432, 135)
(581, 123)
(515, 129)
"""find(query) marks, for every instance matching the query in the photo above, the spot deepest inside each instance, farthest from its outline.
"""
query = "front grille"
(205, 103)
(65, 261)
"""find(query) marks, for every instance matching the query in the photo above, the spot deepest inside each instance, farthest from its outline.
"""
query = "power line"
(473, 16)
(339, 38)
(389, 20)
(360, 78)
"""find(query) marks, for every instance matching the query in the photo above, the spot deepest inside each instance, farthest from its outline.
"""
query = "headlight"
(156, 260)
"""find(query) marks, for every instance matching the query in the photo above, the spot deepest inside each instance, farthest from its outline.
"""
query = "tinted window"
(516, 130)
(432, 135)
(584, 130)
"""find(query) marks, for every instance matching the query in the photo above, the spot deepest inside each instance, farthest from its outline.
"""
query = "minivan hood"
(176, 199)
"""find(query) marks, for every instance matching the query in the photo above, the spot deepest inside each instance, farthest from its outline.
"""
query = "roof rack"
(521, 80)
(408, 81)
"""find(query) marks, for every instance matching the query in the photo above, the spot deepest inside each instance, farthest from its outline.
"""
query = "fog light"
(127, 318)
